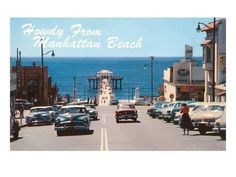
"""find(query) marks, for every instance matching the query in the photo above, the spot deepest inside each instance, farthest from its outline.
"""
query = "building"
(31, 86)
(184, 80)
(12, 93)
(220, 60)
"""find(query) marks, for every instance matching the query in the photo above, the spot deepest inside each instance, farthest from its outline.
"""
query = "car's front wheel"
(202, 130)
(117, 120)
(59, 133)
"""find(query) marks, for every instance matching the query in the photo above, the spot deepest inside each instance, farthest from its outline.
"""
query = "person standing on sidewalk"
(185, 119)
(21, 113)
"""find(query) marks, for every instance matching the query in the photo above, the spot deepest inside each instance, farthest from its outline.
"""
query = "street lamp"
(42, 73)
(151, 66)
(198, 29)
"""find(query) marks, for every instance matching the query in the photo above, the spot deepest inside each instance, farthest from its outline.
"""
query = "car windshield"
(177, 105)
(165, 106)
(73, 110)
(215, 108)
(159, 105)
(39, 110)
(199, 108)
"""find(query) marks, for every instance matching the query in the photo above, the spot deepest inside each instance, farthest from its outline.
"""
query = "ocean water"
(63, 69)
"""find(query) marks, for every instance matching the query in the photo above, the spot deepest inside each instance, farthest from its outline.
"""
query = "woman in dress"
(185, 119)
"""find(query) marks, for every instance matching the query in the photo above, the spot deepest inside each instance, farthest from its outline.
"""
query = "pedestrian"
(21, 112)
(185, 119)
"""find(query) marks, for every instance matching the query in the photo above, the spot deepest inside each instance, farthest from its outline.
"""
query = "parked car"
(205, 119)
(126, 112)
(114, 102)
(39, 115)
(220, 125)
(72, 118)
(39, 118)
(14, 127)
(160, 112)
(26, 103)
(91, 108)
(155, 110)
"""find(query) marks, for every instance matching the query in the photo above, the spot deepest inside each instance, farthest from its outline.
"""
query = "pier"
(105, 83)
(115, 81)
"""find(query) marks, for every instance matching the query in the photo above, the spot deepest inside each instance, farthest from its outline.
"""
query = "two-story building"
(220, 60)
(184, 81)
(31, 86)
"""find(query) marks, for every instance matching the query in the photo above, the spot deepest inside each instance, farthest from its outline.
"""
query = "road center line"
(104, 119)
(101, 146)
(106, 140)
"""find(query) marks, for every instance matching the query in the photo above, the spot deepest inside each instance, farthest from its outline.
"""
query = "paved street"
(106, 134)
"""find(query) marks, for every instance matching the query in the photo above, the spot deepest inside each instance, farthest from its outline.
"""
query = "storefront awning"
(206, 42)
(221, 87)
(223, 93)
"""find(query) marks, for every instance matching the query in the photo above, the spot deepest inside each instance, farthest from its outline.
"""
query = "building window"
(208, 55)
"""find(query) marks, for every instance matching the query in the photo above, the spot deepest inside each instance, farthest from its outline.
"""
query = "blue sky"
(161, 36)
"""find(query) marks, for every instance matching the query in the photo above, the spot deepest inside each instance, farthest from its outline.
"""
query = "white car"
(220, 126)
(206, 115)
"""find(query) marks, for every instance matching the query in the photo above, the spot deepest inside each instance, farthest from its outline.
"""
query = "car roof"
(73, 106)
(212, 103)
(36, 107)
(126, 104)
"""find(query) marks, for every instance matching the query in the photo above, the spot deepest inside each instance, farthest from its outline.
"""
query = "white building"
(184, 81)
(220, 60)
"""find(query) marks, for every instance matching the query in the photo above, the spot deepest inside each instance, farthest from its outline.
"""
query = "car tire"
(135, 120)
(223, 135)
(202, 130)
(117, 120)
(59, 133)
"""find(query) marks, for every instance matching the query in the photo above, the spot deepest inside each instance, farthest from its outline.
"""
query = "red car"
(126, 112)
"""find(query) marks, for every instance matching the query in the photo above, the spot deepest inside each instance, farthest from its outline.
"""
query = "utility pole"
(213, 64)
(74, 90)
(152, 79)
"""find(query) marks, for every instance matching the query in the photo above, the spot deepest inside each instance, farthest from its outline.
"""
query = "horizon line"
(105, 56)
